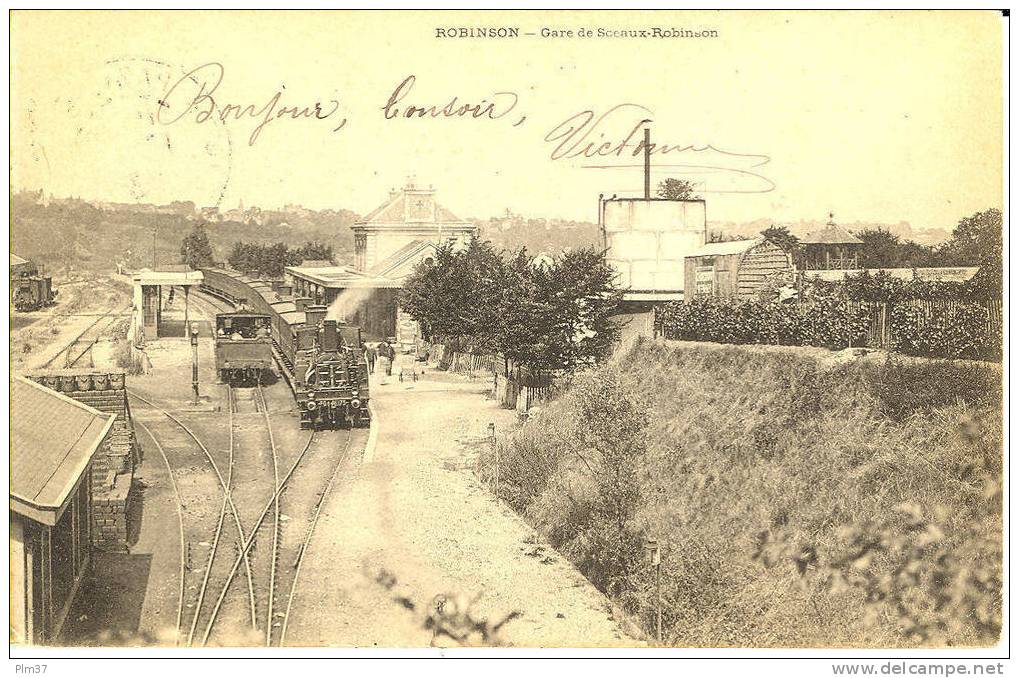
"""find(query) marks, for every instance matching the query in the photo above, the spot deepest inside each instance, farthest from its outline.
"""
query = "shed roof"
(714, 249)
(53, 438)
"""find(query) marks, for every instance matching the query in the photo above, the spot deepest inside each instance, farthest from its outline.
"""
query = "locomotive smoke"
(346, 304)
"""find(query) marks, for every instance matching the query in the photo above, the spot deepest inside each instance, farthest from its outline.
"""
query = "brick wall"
(114, 463)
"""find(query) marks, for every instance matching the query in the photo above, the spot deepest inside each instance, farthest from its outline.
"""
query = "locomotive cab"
(243, 346)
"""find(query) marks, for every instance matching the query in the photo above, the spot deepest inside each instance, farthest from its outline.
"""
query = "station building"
(388, 243)
(53, 442)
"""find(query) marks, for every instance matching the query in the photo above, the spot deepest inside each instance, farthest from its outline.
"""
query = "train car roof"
(293, 317)
(284, 306)
(243, 314)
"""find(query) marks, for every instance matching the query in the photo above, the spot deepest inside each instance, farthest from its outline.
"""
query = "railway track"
(276, 494)
(205, 554)
(89, 336)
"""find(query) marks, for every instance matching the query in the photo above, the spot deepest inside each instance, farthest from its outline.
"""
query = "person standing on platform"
(386, 351)
(370, 355)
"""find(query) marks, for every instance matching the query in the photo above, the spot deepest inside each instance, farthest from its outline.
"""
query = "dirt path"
(405, 528)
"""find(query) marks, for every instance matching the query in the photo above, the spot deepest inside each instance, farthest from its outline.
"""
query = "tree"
(978, 241)
(676, 189)
(196, 249)
(576, 297)
(882, 249)
(780, 235)
(457, 298)
(541, 318)
(311, 251)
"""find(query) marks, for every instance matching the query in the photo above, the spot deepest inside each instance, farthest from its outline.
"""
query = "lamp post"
(654, 553)
(194, 362)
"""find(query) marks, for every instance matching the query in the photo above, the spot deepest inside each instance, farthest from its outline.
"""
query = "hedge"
(953, 330)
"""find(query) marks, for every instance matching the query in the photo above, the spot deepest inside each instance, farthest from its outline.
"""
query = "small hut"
(734, 269)
(831, 248)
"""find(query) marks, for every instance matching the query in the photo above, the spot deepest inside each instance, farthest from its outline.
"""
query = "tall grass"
(798, 504)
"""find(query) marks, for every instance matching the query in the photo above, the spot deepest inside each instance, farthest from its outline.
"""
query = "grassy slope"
(763, 462)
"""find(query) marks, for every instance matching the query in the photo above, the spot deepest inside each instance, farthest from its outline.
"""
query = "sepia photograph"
(633, 333)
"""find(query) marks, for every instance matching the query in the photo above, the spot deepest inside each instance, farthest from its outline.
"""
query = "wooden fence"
(881, 335)
(510, 392)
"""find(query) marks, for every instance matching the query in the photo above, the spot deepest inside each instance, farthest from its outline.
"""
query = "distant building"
(53, 442)
(736, 269)
(410, 216)
(832, 247)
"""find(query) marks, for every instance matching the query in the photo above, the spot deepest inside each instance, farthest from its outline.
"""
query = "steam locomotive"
(32, 292)
(322, 360)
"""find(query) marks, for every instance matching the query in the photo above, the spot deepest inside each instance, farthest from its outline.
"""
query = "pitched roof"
(394, 210)
(401, 256)
(831, 234)
(53, 438)
(714, 249)
(17, 261)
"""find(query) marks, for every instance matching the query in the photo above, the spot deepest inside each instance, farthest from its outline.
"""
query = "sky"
(875, 116)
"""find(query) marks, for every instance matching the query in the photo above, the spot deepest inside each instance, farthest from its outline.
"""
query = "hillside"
(799, 500)
(66, 235)
(72, 234)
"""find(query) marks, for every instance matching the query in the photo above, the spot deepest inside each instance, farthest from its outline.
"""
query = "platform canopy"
(169, 275)
(341, 277)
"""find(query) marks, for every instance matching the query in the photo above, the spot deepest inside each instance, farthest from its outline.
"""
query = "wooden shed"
(734, 269)
(52, 444)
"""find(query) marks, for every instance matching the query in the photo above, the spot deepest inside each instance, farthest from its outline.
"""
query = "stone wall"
(114, 463)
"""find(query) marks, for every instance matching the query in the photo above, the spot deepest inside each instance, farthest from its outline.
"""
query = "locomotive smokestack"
(284, 290)
(313, 315)
(301, 303)
(330, 337)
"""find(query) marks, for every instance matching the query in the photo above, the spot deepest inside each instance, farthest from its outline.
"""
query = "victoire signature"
(586, 136)
(195, 94)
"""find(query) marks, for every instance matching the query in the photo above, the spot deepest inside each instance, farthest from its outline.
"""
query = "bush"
(127, 359)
